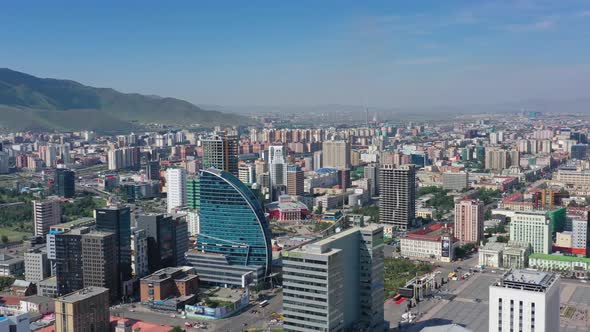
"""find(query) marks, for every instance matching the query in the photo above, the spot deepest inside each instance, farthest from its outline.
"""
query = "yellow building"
(83, 310)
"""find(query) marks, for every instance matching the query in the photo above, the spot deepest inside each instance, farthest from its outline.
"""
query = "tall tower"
(45, 214)
(176, 185)
(397, 204)
(469, 221)
(221, 152)
(278, 169)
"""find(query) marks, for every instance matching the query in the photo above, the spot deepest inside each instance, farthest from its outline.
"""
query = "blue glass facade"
(232, 221)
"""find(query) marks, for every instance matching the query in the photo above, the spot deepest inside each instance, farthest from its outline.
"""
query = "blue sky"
(379, 53)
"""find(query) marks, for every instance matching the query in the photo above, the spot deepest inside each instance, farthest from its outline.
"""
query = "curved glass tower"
(232, 221)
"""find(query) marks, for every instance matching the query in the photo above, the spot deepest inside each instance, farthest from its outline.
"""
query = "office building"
(99, 262)
(277, 166)
(295, 181)
(176, 186)
(64, 183)
(234, 231)
(336, 283)
(455, 181)
(139, 253)
(336, 154)
(221, 152)
(37, 266)
(83, 310)
(152, 170)
(434, 241)
(579, 151)
(45, 214)
(167, 239)
(117, 220)
(469, 221)
(192, 193)
(532, 227)
(169, 282)
(524, 300)
(68, 262)
(397, 204)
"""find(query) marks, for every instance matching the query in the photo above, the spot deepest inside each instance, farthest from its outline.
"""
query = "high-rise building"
(124, 158)
(117, 220)
(335, 283)
(579, 151)
(277, 166)
(317, 160)
(524, 300)
(99, 262)
(532, 227)
(36, 266)
(139, 253)
(336, 154)
(64, 183)
(469, 221)
(247, 173)
(496, 159)
(83, 310)
(295, 181)
(4, 162)
(234, 236)
(167, 239)
(45, 214)
(221, 152)
(152, 169)
(372, 174)
(68, 263)
(176, 186)
(397, 204)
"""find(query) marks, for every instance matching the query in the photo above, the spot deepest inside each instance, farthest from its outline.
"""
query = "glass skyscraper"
(232, 223)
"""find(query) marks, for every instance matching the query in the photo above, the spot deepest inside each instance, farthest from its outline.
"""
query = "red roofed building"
(434, 241)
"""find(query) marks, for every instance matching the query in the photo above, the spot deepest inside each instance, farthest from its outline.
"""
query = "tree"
(4, 239)
(177, 329)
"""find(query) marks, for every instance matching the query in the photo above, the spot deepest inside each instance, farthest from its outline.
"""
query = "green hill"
(32, 103)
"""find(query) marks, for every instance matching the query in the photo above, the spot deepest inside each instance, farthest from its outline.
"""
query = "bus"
(263, 303)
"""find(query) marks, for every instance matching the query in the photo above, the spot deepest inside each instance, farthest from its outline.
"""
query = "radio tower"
(367, 116)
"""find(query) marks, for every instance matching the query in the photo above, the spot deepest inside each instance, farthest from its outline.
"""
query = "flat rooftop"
(82, 294)
(530, 280)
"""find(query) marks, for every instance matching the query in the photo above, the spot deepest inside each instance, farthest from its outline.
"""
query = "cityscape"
(283, 203)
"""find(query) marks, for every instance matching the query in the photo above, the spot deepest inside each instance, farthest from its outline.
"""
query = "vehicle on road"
(263, 303)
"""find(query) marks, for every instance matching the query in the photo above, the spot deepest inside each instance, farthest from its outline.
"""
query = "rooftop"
(82, 294)
(529, 280)
(561, 258)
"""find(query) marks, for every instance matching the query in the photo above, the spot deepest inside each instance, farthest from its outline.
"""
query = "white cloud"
(540, 25)
(421, 61)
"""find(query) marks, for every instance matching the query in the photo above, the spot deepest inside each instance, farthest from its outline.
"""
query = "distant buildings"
(335, 283)
(455, 181)
(295, 181)
(524, 300)
(234, 234)
(397, 204)
(84, 310)
(37, 266)
(176, 196)
(469, 221)
(277, 165)
(45, 214)
(123, 158)
(336, 154)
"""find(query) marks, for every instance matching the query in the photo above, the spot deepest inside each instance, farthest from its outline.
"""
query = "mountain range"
(32, 103)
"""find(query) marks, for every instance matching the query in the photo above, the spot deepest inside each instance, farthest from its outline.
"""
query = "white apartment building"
(139, 253)
(176, 186)
(524, 300)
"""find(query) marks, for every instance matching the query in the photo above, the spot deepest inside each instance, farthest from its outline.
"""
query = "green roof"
(560, 258)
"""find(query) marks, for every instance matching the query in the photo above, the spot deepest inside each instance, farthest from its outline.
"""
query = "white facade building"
(45, 214)
(176, 186)
(534, 228)
(524, 300)
(139, 253)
